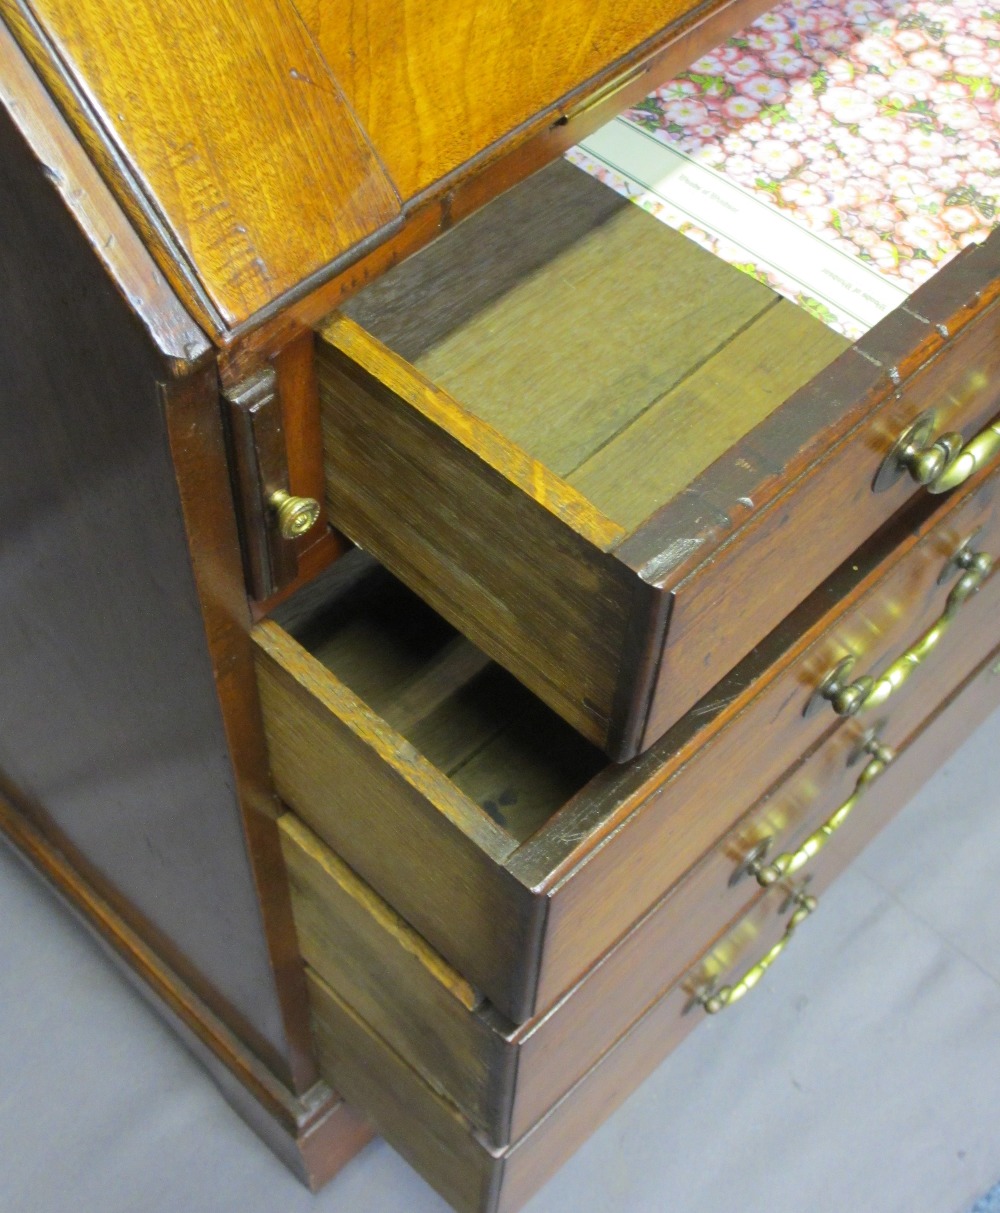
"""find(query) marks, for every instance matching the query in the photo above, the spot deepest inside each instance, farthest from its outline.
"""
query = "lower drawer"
(472, 1175)
(504, 1076)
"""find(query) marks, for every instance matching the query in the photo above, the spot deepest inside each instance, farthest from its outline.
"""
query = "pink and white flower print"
(874, 124)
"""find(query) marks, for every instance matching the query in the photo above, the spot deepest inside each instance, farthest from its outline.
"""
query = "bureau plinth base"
(314, 1134)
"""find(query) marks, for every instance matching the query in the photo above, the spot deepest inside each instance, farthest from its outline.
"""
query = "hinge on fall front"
(271, 518)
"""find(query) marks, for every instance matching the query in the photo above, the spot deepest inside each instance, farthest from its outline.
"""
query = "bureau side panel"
(111, 738)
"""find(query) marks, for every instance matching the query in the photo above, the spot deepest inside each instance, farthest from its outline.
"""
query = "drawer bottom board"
(475, 1177)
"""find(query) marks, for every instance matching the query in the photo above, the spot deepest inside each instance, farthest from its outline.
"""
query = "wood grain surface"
(518, 571)
(222, 132)
(434, 84)
(86, 196)
(113, 739)
(807, 470)
(334, 759)
(558, 315)
(228, 140)
(596, 873)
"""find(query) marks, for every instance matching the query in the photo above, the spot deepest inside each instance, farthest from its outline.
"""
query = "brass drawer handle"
(939, 464)
(296, 515)
(791, 862)
(717, 1000)
(868, 691)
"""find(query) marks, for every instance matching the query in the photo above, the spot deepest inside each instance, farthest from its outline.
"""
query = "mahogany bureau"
(434, 679)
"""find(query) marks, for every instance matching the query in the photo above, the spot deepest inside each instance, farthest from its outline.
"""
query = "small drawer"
(475, 1177)
(614, 461)
(494, 829)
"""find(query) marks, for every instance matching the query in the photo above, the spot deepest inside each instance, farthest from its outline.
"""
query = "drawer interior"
(502, 748)
(612, 349)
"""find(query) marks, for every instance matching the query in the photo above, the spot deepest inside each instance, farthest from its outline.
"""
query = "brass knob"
(296, 515)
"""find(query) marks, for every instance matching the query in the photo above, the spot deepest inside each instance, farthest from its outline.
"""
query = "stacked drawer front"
(501, 945)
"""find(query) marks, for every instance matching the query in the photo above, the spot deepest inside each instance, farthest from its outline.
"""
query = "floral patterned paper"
(875, 125)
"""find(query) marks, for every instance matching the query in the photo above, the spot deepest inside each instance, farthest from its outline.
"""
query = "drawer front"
(619, 622)
(503, 1078)
(446, 1149)
(522, 920)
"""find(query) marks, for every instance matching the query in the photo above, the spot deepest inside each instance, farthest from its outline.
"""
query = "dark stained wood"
(314, 1134)
(197, 450)
(609, 852)
(259, 469)
(223, 134)
(114, 648)
(295, 366)
(872, 616)
(686, 472)
(477, 1178)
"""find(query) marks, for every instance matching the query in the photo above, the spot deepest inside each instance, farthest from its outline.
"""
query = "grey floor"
(863, 1076)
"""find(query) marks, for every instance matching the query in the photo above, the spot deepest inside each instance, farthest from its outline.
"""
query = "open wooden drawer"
(615, 462)
(501, 836)
(476, 1177)
(504, 1077)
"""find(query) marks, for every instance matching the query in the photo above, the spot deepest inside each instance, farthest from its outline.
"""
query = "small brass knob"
(296, 515)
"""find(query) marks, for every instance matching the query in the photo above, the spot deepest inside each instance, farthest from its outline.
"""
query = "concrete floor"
(863, 1076)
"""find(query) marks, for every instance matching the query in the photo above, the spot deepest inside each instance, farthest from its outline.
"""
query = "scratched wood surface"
(607, 841)
(259, 176)
(444, 1146)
